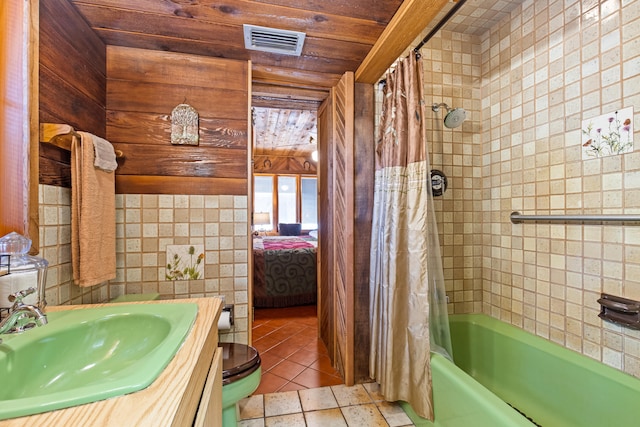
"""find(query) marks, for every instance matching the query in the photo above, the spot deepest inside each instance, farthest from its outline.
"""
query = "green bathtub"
(500, 367)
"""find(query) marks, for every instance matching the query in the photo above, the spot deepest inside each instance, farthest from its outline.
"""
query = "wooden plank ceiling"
(300, 139)
(286, 90)
(339, 34)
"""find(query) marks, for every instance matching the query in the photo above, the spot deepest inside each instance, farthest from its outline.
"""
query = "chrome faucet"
(22, 316)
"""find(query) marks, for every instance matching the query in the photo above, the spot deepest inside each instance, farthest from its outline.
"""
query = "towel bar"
(60, 136)
(517, 217)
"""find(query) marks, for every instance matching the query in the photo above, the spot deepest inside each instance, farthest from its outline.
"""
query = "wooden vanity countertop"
(171, 400)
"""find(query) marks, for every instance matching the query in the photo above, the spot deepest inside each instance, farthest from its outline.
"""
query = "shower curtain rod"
(416, 50)
(517, 218)
(439, 25)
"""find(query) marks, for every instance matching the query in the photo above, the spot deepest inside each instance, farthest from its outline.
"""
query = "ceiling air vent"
(273, 40)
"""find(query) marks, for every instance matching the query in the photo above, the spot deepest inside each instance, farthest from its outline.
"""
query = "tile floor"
(293, 358)
(299, 387)
(335, 406)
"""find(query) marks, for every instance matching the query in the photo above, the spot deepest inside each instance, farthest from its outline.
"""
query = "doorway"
(285, 224)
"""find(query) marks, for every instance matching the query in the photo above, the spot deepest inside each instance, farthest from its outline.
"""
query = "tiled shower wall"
(452, 75)
(527, 84)
(145, 225)
(549, 66)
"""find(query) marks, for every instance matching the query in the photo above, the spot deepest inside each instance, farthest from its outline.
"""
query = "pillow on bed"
(292, 229)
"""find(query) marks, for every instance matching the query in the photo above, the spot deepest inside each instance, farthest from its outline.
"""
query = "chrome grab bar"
(517, 218)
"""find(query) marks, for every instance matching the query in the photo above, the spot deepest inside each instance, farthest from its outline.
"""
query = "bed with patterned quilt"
(284, 271)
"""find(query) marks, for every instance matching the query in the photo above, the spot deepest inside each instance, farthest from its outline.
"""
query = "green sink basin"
(86, 355)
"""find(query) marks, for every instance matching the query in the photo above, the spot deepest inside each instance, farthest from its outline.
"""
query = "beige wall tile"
(578, 65)
(146, 224)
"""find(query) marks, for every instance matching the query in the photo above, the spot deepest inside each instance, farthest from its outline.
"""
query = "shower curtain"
(407, 299)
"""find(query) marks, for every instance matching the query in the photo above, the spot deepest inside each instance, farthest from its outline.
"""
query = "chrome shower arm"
(436, 107)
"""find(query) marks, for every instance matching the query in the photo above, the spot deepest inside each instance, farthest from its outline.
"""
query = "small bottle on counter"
(24, 271)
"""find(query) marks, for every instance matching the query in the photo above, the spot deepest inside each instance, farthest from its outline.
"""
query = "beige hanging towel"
(93, 213)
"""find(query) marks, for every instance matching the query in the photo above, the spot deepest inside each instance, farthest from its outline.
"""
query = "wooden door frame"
(363, 176)
(19, 120)
(362, 211)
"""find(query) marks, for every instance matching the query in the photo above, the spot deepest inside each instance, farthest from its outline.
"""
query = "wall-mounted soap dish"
(620, 310)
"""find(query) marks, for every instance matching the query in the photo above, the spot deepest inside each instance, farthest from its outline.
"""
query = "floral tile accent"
(608, 134)
(185, 262)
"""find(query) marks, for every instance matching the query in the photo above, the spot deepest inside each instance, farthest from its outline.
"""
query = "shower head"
(454, 117)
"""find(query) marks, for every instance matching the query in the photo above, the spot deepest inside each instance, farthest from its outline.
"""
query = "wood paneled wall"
(273, 163)
(325, 246)
(72, 82)
(364, 177)
(343, 225)
(355, 220)
(143, 87)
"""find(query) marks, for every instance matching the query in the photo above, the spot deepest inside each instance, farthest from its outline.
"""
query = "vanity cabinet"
(210, 408)
(188, 391)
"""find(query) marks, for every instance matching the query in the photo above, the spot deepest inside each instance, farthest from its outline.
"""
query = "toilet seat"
(238, 362)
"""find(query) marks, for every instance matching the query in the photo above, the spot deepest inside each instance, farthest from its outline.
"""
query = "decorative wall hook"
(267, 164)
(184, 125)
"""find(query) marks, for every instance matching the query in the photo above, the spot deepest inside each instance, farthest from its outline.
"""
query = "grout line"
(340, 406)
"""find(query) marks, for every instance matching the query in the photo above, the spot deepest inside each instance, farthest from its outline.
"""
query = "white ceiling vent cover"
(273, 40)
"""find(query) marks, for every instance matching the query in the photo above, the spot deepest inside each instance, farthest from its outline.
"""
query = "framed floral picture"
(608, 134)
(185, 262)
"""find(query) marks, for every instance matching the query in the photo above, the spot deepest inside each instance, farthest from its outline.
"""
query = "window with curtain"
(263, 200)
(287, 199)
(292, 198)
(309, 202)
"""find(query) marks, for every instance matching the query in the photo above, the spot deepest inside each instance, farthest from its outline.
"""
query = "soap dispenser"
(24, 271)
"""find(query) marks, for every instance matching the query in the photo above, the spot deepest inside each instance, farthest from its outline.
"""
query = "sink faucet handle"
(16, 298)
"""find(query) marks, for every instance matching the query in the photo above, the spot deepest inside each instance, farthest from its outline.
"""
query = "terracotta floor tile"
(323, 364)
(270, 383)
(279, 335)
(293, 328)
(293, 350)
(311, 322)
(291, 386)
(269, 360)
(265, 343)
(304, 357)
(262, 330)
(278, 323)
(283, 350)
(317, 346)
(311, 378)
(287, 340)
(287, 369)
(303, 338)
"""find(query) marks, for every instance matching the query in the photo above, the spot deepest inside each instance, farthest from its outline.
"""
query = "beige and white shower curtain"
(399, 276)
